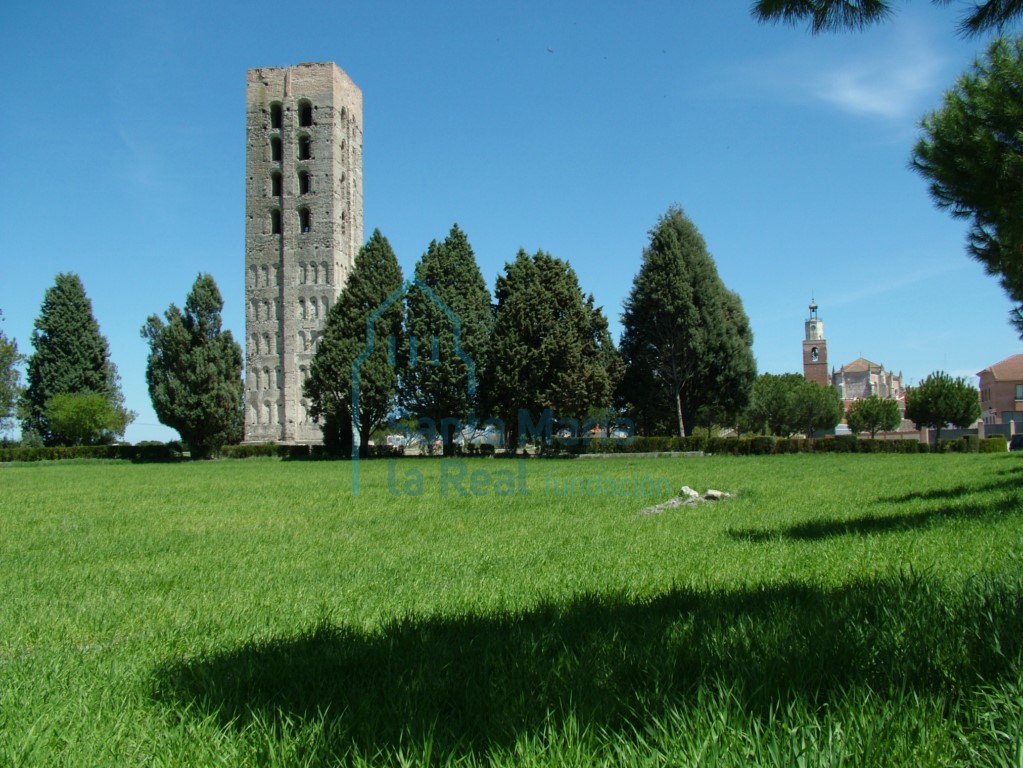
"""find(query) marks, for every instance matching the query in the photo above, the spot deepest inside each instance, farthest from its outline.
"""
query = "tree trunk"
(678, 410)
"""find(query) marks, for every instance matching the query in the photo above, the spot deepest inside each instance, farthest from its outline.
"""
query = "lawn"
(837, 610)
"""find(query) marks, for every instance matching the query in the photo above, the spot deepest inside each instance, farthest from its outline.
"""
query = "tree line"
(439, 350)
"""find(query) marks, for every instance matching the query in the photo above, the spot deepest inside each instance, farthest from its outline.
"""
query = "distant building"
(862, 378)
(1001, 392)
(815, 348)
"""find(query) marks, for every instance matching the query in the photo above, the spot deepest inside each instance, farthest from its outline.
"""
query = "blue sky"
(563, 126)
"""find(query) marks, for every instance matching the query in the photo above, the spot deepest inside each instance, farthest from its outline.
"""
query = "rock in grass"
(687, 497)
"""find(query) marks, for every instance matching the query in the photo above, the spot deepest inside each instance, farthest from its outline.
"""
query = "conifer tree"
(71, 357)
(194, 371)
(545, 352)
(356, 357)
(447, 302)
(686, 340)
(10, 390)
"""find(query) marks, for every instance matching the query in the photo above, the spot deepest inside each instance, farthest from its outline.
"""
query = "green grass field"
(839, 610)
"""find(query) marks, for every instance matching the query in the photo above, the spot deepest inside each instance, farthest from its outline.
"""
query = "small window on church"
(275, 149)
(305, 114)
(305, 220)
(305, 148)
(275, 116)
(303, 182)
(275, 184)
(275, 222)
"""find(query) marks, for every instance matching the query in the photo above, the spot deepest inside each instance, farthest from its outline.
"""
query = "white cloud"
(890, 86)
(892, 76)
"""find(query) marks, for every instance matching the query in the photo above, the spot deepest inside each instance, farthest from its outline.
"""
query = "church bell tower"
(815, 349)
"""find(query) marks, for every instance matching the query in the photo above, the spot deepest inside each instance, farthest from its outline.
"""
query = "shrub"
(761, 445)
(291, 452)
(994, 444)
(248, 451)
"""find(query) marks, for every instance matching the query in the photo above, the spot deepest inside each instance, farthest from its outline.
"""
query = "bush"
(291, 452)
(248, 451)
(970, 444)
(994, 444)
(762, 445)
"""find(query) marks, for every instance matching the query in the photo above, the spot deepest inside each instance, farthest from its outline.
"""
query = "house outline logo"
(370, 346)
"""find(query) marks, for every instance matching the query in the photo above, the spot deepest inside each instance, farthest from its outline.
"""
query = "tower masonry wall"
(303, 228)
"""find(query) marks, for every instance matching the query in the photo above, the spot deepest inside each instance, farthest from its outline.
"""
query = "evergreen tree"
(610, 368)
(71, 357)
(972, 157)
(873, 414)
(10, 390)
(449, 300)
(546, 352)
(824, 15)
(686, 340)
(194, 371)
(356, 357)
(941, 399)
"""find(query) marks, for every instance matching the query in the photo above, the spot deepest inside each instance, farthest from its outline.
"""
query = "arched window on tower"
(275, 116)
(314, 272)
(301, 309)
(305, 148)
(275, 222)
(305, 220)
(303, 182)
(275, 184)
(275, 149)
(305, 114)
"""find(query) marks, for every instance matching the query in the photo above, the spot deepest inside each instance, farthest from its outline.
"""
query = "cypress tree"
(194, 371)
(358, 349)
(549, 349)
(9, 378)
(449, 298)
(686, 340)
(71, 357)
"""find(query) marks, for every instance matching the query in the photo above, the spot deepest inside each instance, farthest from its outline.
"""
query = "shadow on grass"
(813, 530)
(467, 683)
(1011, 483)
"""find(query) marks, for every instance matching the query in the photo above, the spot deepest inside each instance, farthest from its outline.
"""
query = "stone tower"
(815, 349)
(303, 227)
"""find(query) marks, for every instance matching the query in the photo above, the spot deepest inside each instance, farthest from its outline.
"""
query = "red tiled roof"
(1009, 369)
(860, 365)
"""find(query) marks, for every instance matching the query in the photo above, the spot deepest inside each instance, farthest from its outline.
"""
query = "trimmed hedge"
(994, 444)
(137, 453)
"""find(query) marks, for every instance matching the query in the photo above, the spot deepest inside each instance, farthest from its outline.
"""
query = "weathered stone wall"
(303, 227)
